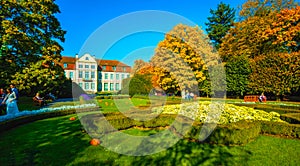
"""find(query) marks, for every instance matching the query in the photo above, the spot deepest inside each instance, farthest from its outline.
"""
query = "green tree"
(139, 84)
(219, 23)
(31, 33)
(38, 77)
(238, 70)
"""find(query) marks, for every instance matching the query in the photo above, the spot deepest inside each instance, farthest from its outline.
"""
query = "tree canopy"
(220, 21)
(269, 38)
(182, 59)
(31, 36)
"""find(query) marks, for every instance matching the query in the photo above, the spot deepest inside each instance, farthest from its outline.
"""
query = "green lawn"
(59, 141)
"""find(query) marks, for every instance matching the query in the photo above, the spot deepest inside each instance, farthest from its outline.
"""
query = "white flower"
(43, 110)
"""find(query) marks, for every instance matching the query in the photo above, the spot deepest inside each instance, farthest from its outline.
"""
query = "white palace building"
(94, 75)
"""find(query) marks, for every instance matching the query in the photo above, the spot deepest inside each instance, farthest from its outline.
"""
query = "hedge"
(238, 133)
(230, 134)
(280, 129)
(293, 118)
(112, 97)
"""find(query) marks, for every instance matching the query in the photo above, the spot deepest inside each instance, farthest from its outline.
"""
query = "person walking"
(11, 102)
(14, 89)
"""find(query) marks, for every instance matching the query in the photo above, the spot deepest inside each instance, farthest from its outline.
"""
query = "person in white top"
(11, 102)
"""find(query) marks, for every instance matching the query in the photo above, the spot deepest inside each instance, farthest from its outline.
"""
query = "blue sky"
(109, 29)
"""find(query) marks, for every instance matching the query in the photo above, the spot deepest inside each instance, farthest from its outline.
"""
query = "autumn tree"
(31, 34)
(279, 72)
(138, 64)
(277, 75)
(265, 35)
(263, 8)
(247, 37)
(220, 21)
(182, 59)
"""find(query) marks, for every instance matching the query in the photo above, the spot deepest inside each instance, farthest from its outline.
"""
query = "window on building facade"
(117, 77)
(114, 68)
(111, 76)
(123, 76)
(87, 58)
(93, 67)
(80, 74)
(105, 86)
(92, 74)
(80, 66)
(103, 67)
(127, 75)
(93, 86)
(86, 85)
(86, 66)
(65, 65)
(111, 86)
(105, 76)
(80, 84)
(87, 75)
(71, 75)
(117, 86)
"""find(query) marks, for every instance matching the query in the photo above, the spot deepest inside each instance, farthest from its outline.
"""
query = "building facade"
(94, 75)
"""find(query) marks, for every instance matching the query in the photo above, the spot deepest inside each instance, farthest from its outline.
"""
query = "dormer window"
(114, 68)
(103, 67)
(65, 65)
(87, 58)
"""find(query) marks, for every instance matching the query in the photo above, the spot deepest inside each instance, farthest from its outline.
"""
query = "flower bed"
(23, 117)
(229, 113)
(44, 110)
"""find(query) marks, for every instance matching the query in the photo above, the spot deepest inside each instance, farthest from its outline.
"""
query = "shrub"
(230, 134)
(238, 133)
(280, 129)
(293, 118)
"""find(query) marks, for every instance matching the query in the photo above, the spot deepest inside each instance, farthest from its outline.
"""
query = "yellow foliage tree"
(182, 60)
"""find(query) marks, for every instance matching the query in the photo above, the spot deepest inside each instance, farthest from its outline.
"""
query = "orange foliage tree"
(269, 37)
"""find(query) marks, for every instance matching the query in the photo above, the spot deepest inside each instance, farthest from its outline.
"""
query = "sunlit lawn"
(59, 141)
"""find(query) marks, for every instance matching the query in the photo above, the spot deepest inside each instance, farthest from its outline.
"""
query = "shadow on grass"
(59, 141)
(54, 141)
(183, 153)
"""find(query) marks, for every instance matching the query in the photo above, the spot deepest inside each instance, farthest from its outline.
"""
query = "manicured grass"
(59, 141)
(272, 151)
(126, 104)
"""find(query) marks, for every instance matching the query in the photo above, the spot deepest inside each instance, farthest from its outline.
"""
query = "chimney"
(76, 56)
